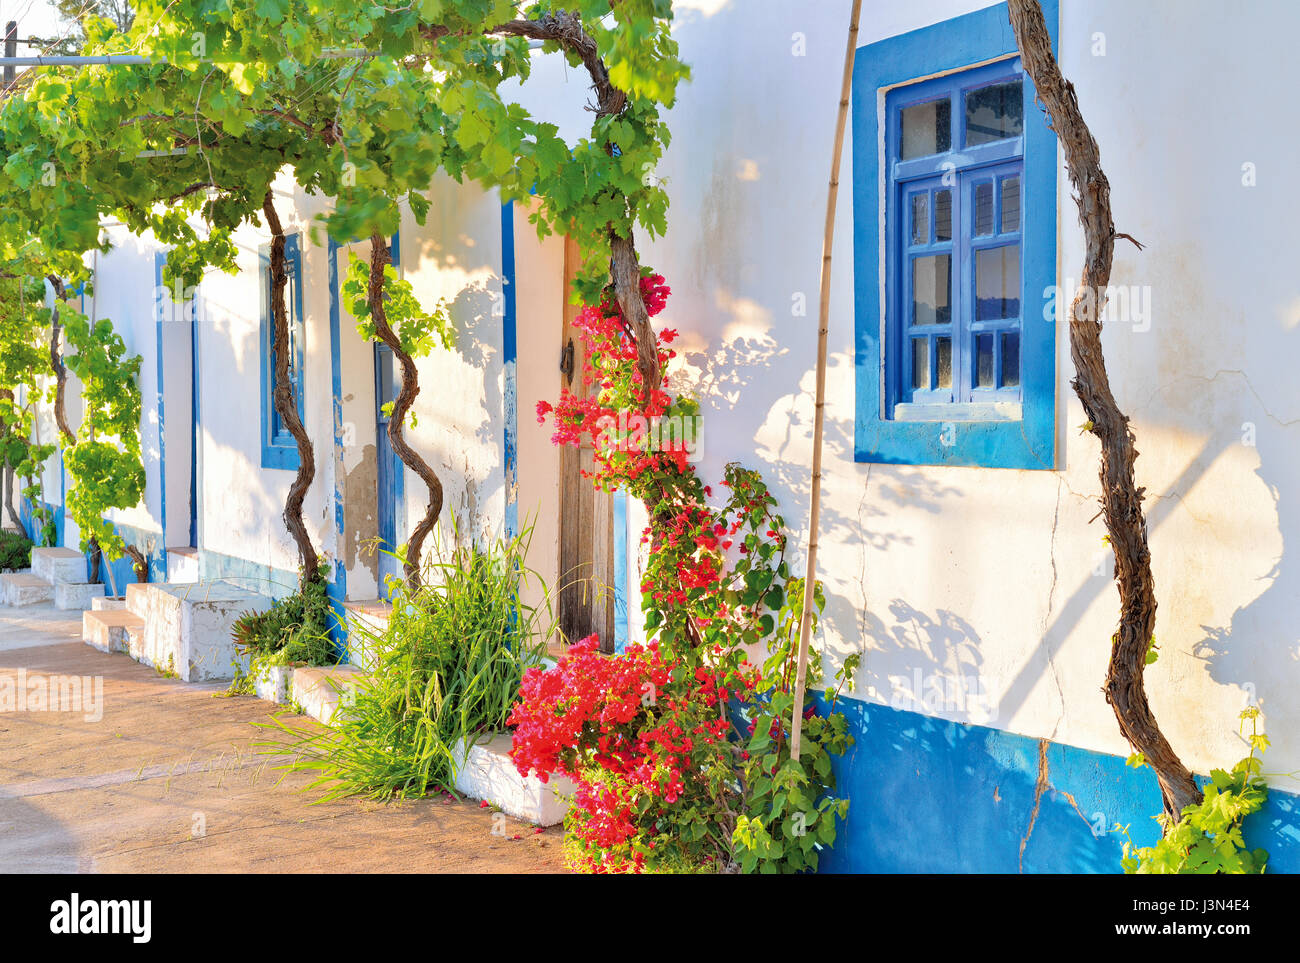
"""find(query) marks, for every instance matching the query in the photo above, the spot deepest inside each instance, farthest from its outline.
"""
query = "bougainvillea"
(679, 749)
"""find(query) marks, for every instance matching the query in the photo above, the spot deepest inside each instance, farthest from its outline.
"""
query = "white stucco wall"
(988, 574)
(456, 257)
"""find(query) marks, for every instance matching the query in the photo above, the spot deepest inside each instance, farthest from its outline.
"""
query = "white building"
(958, 551)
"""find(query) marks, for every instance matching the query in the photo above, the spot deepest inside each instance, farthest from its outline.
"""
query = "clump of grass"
(447, 667)
(15, 551)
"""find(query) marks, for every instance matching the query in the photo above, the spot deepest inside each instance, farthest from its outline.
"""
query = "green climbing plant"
(1208, 839)
(24, 370)
(104, 463)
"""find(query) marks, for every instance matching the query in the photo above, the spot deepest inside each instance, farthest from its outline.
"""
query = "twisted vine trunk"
(566, 29)
(7, 471)
(1121, 499)
(286, 402)
(56, 363)
(60, 396)
(379, 259)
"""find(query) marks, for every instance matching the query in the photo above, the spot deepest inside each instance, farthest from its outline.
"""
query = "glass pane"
(387, 389)
(993, 113)
(920, 218)
(931, 283)
(997, 283)
(943, 216)
(920, 363)
(927, 129)
(1010, 204)
(943, 359)
(983, 361)
(1010, 359)
(983, 208)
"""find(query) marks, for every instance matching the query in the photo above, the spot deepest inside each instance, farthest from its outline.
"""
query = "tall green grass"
(448, 667)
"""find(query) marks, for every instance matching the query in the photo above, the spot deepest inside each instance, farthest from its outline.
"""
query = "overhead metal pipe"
(10, 61)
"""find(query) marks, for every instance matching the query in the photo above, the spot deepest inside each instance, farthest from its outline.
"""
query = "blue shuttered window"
(954, 196)
(279, 450)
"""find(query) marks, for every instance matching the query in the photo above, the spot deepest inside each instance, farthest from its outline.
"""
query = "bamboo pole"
(823, 319)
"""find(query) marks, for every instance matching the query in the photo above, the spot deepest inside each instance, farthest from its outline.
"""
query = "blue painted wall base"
(930, 796)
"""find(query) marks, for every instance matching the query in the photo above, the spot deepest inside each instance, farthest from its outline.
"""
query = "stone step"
(182, 565)
(24, 588)
(70, 595)
(365, 622)
(109, 631)
(59, 565)
(108, 604)
(321, 690)
(487, 772)
(187, 627)
(137, 598)
(274, 683)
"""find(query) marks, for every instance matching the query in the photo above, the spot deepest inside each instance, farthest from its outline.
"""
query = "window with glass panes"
(279, 449)
(954, 194)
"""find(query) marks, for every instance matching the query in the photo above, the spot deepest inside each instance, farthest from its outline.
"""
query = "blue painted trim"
(391, 475)
(159, 260)
(252, 576)
(931, 796)
(27, 517)
(620, 571)
(337, 590)
(510, 350)
(123, 573)
(196, 422)
(1030, 442)
(280, 451)
(399, 466)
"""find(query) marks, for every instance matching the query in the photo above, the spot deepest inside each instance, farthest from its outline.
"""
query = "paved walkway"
(167, 780)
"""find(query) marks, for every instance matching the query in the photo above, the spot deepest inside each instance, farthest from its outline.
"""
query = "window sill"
(283, 458)
(996, 411)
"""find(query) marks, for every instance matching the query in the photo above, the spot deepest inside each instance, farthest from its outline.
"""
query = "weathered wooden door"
(587, 586)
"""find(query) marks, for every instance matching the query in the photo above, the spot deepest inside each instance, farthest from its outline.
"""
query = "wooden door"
(586, 595)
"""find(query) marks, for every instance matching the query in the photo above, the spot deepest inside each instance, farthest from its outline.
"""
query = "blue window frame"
(955, 210)
(279, 450)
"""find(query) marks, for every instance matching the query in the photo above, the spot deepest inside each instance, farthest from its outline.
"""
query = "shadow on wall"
(1238, 653)
(430, 255)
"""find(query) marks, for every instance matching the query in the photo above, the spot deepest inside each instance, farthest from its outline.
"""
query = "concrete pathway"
(159, 776)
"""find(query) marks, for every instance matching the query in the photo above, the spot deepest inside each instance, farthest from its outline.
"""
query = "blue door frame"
(389, 482)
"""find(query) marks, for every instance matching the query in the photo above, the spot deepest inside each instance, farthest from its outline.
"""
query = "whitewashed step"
(487, 772)
(182, 565)
(274, 683)
(320, 690)
(59, 565)
(187, 627)
(108, 604)
(110, 631)
(70, 595)
(24, 588)
(365, 622)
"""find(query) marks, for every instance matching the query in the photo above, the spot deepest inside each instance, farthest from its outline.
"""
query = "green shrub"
(448, 666)
(294, 630)
(1207, 839)
(15, 551)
